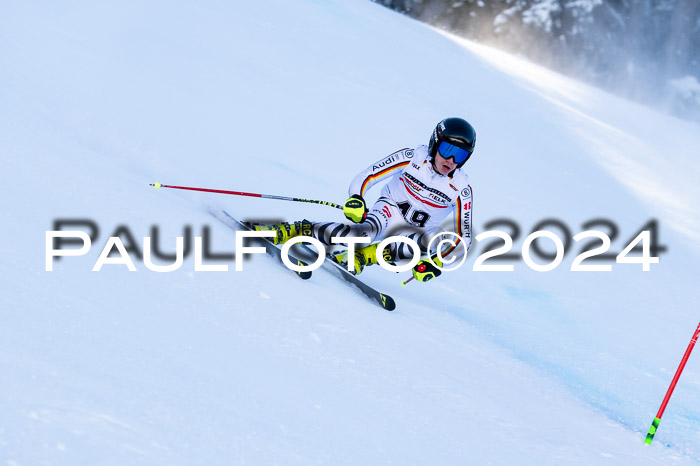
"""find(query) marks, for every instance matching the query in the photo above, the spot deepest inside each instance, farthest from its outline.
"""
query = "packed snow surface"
(97, 100)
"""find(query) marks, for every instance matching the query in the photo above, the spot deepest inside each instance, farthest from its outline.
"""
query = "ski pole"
(404, 283)
(239, 193)
(657, 419)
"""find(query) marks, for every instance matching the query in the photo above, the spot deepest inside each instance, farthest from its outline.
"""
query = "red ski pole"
(239, 193)
(657, 419)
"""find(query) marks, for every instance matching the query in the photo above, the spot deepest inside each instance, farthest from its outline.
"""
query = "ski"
(270, 248)
(383, 300)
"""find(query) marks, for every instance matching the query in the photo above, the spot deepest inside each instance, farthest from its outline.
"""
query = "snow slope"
(257, 367)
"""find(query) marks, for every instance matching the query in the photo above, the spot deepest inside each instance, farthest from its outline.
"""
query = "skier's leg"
(421, 238)
(381, 220)
(377, 220)
(382, 217)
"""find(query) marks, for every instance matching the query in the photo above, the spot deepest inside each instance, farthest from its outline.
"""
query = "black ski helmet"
(456, 131)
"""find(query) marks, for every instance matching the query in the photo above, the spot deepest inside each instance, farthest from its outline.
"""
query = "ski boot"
(285, 231)
(363, 257)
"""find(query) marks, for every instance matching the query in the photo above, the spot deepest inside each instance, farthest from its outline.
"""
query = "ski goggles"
(448, 151)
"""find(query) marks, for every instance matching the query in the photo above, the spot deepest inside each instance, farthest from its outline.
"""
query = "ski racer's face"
(444, 166)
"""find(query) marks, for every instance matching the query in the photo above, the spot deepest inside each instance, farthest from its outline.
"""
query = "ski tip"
(306, 274)
(156, 185)
(387, 302)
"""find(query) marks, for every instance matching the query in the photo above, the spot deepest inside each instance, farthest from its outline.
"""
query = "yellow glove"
(425, 271)
(355, 209)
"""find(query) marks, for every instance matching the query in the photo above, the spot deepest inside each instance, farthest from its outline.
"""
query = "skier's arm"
(463, 225)
(379, 171)
(426, 270)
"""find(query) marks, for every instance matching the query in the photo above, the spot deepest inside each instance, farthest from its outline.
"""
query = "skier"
(426, 184)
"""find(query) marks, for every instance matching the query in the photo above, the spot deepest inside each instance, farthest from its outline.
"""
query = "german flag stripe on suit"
(380, 174)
